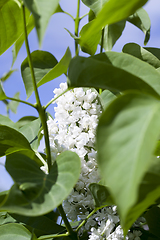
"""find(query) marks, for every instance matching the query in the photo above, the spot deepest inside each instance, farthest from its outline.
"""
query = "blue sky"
(56, 41)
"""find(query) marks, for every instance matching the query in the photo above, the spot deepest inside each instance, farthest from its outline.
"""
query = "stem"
(85, 220)
(53, 236)
(77, 20)
(102, 40)
(39, 107)
(69, 15)
(21, 101)
(66, 222)
(54, 99)
(83, 16)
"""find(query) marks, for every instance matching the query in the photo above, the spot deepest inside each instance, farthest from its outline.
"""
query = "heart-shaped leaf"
(35, 193)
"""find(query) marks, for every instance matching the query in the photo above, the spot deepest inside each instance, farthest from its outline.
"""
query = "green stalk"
(21, 101)
(72, 234)
(53, 236)
(39, 107)
(54, 99)
(85, 220)
(77, 20)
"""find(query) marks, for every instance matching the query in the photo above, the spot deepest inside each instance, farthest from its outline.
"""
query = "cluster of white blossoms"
(74, 128)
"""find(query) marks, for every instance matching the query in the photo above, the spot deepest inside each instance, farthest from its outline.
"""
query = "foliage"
(100, 167)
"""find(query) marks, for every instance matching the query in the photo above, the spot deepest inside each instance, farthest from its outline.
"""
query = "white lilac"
(74, 128)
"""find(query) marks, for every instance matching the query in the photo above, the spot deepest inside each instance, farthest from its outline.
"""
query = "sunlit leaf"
(141, 53)
(14, 231)
(112, 12)
(126, 139)
(141, 20)
(11, 24)
(35, 193)
(115, 72)
(42, 10)
(42, 62)
(60, 68)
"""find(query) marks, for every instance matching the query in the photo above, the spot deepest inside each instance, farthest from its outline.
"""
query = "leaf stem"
(85, 220)
(77, 20)
(21, 101)
(72, 234)
(69, 15)
(38, 106)
(102, 40)
(53, 236)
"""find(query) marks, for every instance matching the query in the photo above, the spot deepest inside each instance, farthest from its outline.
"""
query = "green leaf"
(112, 12)
(148, 193)
(115, 72)
(24, 120)
(37, 223)
(13, 105)
(106, 98)
(6, 218)
(154, 51)
(30, 131)
(7, 75)
(126, 138)
(42, 10)
(153, 220)
(141, 53)
(95, 5)
(42, 62)
(4, 120)
(2, 93)
(14, 231)
(97, 37)
(112, 33)
(11, 24)
(141, 20)
(18, 44)
(12, 141)
(101, 195)
(35, 193)
(60, 68)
